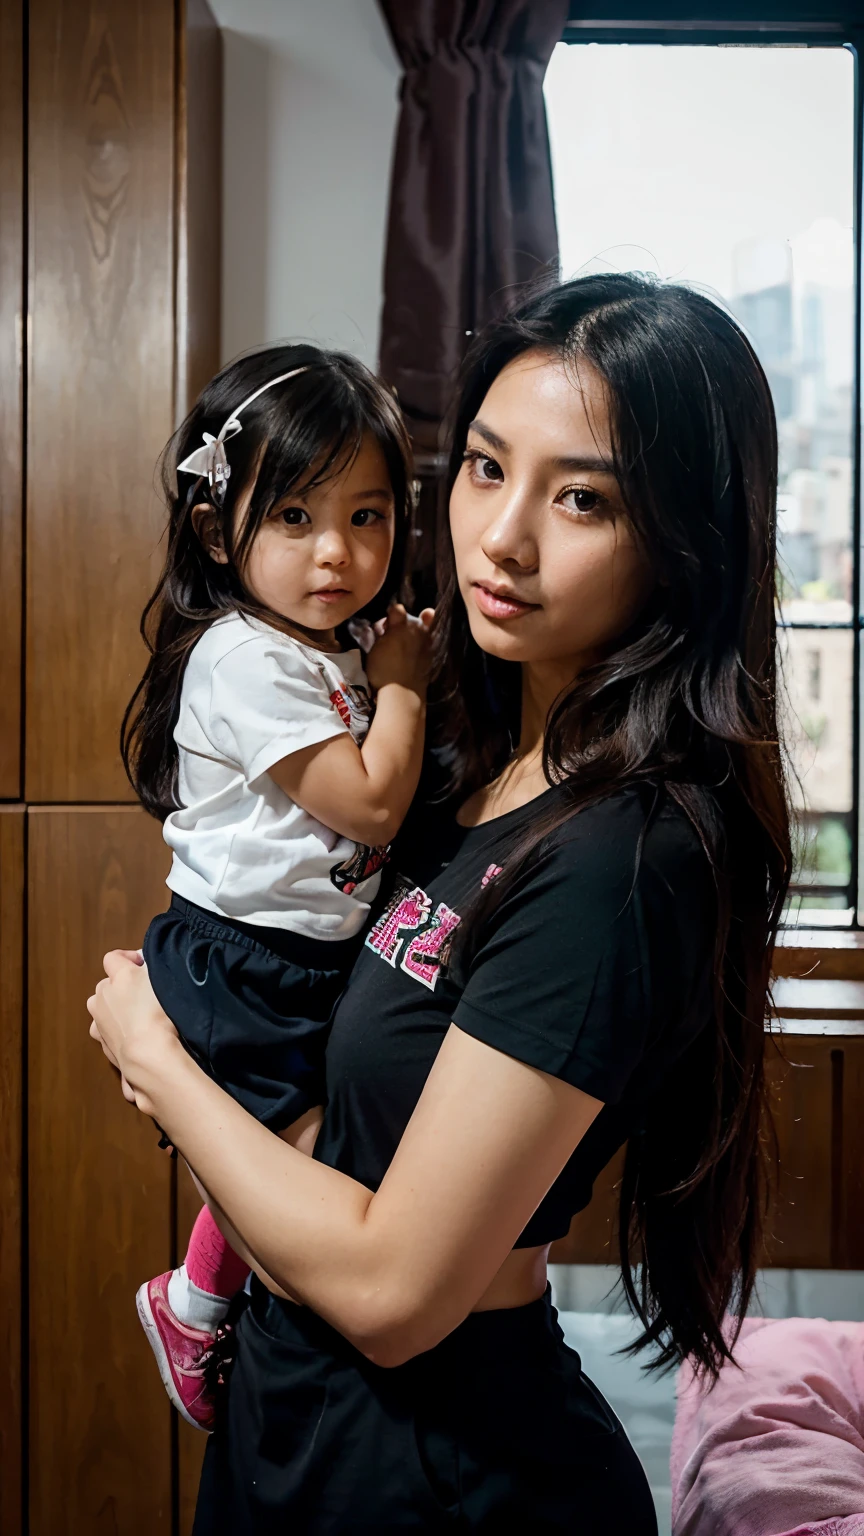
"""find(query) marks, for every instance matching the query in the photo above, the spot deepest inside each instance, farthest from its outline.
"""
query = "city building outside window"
(732, 168)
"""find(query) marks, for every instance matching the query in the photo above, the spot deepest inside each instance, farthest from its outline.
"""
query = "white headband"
(211, 459)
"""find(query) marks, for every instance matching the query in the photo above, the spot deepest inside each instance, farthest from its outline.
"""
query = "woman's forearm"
(302, 1223)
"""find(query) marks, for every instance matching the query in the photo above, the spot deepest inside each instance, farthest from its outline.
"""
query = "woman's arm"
(395, 1271)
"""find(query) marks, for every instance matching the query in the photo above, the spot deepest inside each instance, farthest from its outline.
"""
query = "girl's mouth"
(332, 594)
(500, 605)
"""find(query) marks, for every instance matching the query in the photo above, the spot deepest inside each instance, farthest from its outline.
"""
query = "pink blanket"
(777, 1448)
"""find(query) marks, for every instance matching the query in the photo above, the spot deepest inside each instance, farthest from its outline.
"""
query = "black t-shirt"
(596, 967)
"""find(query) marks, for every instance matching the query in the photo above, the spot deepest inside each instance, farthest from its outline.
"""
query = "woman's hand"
(129, 1024)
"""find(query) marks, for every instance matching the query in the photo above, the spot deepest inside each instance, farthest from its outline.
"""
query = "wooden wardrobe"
(110, 232)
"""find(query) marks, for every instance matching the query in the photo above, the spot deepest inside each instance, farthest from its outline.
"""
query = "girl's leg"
(200, 1290)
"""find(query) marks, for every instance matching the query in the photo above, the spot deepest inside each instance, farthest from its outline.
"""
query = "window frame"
(797, 25)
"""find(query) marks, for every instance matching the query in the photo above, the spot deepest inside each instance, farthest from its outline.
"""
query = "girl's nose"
(510, 538)
(331, 549)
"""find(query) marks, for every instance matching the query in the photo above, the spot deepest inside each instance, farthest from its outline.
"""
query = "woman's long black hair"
(296, 436)
(686, 702)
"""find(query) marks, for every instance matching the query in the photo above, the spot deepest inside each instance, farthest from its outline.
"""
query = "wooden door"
(12, 319)
(12, 856)
(100, 1193)
(101, 244)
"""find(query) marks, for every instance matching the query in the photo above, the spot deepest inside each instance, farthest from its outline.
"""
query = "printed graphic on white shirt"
(353, 705)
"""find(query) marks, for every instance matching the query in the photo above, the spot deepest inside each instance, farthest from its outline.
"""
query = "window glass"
(731, 168)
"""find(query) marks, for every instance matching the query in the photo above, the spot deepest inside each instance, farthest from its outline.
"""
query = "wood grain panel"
(199, 202)
(593, 1235)
(12, 310)
(199, 279)
(848, 1147)
(100, 1192)
(800, 1227)
(11, 1205)
(101, 251)
(824, 954)
(817, 1086)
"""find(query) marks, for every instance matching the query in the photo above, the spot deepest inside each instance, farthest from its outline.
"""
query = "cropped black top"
(596, 967)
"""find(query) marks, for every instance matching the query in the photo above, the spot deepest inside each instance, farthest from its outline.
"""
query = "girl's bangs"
(307, 450)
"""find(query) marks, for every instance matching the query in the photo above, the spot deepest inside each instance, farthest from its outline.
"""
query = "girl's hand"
(129, 1024)
(402, 652)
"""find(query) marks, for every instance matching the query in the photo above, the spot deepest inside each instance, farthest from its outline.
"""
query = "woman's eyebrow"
(379, 491)
(586, 463)
(488, 436)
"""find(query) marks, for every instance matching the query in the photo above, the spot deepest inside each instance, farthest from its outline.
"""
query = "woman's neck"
(542, 683)
(523, 779)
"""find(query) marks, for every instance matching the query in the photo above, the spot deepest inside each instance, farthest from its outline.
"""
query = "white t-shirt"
(242, 848)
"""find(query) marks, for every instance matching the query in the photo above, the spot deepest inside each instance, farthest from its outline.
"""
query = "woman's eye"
(294, 517)
(365, 516)
(483, 469)
(582, 499)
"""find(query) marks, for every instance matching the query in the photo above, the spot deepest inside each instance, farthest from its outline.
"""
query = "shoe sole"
(154, 1339)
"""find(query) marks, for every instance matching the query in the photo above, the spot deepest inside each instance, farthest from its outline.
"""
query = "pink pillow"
(777, 1448)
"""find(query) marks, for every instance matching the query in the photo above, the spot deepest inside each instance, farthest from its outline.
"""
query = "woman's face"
(547, 563)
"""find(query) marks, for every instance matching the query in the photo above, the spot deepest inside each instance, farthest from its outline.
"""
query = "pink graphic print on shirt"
(428, 951)
(405, 912)
(409, 916)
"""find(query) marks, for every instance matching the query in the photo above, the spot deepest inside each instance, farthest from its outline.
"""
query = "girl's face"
(321, 555)
(547, 563)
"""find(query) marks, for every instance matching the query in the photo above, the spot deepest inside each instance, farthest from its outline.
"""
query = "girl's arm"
(364, 792)
(396, 1271)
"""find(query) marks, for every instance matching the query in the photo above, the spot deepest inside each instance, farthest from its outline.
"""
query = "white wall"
(310, 111)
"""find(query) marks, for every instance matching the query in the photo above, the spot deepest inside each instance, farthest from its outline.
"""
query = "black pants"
(252, 1005)
(494, 1430)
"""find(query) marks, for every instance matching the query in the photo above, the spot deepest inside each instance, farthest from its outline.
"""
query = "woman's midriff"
(521, 1278)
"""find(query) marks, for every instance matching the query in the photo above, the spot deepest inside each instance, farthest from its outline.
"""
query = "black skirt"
(252, 1005)
(495, 1430)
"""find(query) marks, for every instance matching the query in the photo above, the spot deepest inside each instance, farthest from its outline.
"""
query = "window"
(732, 168)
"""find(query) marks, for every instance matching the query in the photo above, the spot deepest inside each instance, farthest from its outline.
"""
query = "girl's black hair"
(686, 702)
(303, 431)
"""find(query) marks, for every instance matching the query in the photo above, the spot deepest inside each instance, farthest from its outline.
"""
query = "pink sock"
(211, 1262)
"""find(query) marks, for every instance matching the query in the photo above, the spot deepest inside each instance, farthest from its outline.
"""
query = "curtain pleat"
(471, 206)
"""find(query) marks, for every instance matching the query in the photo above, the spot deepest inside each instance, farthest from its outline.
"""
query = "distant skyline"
(671, 159)
(731, 169)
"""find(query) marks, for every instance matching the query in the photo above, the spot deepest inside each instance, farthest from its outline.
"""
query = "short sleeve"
(268, 700)
(562, 978)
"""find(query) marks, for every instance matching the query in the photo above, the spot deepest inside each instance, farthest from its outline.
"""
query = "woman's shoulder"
(637, 834)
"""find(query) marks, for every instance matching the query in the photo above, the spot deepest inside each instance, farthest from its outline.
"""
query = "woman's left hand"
(129, 1024)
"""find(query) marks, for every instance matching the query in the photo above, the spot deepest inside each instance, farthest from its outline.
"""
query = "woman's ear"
(205, 521)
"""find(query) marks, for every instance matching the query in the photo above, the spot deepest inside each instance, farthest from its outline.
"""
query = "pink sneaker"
(182, 1354)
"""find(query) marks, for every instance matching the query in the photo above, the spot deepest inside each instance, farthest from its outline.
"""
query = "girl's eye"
(483, 469)
(294, 517)
(364, 517)
(582, 499)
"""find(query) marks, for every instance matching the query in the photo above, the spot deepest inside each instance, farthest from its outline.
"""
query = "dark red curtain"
(471, 209)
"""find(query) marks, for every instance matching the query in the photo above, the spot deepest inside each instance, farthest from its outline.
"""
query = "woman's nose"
(510, 537)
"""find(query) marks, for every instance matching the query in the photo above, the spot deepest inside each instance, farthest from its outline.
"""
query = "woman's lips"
(496, 605)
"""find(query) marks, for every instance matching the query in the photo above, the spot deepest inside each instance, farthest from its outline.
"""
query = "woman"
(575, 953)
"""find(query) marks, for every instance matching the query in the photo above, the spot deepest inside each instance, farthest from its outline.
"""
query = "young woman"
(575, 952)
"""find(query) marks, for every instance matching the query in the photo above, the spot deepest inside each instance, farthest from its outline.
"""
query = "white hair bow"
(211, 459)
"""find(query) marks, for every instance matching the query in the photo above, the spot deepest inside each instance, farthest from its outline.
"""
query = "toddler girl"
(251, 735)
